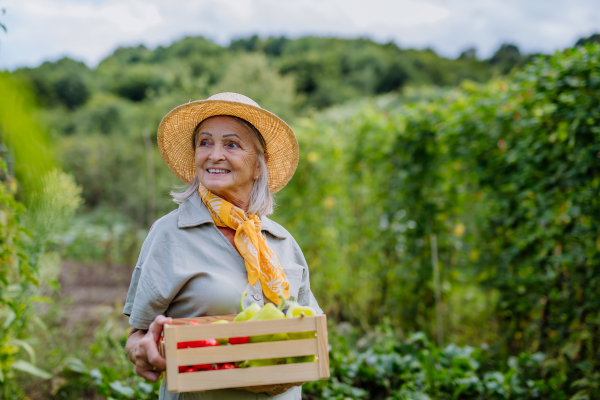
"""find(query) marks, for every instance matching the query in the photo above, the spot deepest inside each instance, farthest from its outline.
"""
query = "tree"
(595, 38)
(252, 76)
(506, 58)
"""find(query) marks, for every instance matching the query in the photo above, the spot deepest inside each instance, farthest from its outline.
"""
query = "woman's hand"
(142, 348)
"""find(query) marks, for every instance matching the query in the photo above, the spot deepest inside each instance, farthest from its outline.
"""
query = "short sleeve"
(152, 286)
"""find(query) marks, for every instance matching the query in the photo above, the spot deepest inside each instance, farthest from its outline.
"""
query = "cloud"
(131, 17)
(89, 30)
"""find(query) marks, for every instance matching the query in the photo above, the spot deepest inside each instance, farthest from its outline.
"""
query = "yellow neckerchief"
(261, 264)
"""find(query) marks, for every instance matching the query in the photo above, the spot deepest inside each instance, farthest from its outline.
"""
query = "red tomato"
(202, 367)
(190, 369)
(209, 343)
(190, 345)
(228, 366)
(197, 343)
(182, 368)
(193, 322)
(239, 340)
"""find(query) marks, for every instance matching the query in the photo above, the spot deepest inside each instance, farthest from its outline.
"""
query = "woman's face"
(226, 159)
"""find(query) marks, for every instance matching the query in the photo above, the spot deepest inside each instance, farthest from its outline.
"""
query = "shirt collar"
(193, 212)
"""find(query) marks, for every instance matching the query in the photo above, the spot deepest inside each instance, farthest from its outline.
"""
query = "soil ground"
(85, 288)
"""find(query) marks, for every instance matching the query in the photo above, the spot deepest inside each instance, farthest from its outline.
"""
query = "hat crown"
(236, 97)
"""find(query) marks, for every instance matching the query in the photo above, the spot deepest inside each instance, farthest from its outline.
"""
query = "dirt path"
(90, 287)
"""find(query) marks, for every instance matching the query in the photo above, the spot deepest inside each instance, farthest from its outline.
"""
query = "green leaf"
(145, 388)
(1, 374)
(37, 320)
(41, 299)
(571, 349)
(96, 376)
(118, 387)
(31, 369)
(581, 395)
(9, 319)
(26, 346)
(75, 365)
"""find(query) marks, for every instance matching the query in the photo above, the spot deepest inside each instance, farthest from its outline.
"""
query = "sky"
(89, 30)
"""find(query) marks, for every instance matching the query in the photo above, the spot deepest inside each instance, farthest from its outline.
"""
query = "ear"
(266, 157)
(256, 170)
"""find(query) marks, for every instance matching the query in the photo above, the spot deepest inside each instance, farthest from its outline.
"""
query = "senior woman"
(198, 259)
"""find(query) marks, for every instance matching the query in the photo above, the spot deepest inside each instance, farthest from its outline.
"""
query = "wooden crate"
(181, 331)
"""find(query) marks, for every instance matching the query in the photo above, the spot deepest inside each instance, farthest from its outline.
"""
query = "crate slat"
(204, 320)
(250, 351)
(323, 351)
(222, 379)
(236, 329)
(170, 348)
(161, 351)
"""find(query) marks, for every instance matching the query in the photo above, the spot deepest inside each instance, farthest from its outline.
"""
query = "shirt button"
(256, 296)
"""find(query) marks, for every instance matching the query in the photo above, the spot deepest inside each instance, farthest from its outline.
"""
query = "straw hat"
(177, 127)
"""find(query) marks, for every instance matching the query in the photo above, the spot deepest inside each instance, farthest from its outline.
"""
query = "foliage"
(254, 74)
(381, 365)
(112, 373)
(23, 256)
(505, 175)
(52, 208)
(102, 236)
(99, 117)
(17, 276)
(25, 146)
(24, 266)
(376, 365)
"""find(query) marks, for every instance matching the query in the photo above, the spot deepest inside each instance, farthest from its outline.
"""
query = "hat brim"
(177, 127)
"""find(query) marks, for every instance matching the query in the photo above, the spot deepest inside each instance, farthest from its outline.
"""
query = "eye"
(204, 143)
(232, 145)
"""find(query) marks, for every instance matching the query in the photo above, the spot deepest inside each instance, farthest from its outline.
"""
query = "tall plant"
(24, 235)
(505, 175)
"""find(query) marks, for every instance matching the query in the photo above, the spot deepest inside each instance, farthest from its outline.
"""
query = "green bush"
(380, 365)
(505, 175)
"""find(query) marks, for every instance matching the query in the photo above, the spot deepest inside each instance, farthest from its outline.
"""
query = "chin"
(215, 185)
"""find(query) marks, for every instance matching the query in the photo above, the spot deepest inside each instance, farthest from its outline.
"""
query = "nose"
(216, 154)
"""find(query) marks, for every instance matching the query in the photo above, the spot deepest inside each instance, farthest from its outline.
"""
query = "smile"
(218, 171)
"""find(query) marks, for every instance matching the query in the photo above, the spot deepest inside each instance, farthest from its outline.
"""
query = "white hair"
(261, 200)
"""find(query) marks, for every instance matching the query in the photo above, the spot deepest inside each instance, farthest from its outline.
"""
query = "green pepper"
(299, 312)
(301, 359)
(269, 311)
(279, 337)
(264, 363)
(222, 341)
(261, 363)
(249, 312)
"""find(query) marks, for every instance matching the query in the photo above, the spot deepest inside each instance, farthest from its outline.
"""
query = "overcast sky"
(89, 30)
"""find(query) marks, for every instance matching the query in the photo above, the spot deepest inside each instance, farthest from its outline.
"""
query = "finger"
(148, 357)
(149, 375)
(154, 358)
(156, 327)
(143, 363)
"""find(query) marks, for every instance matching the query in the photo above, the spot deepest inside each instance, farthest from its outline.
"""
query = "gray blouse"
(187, 268)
